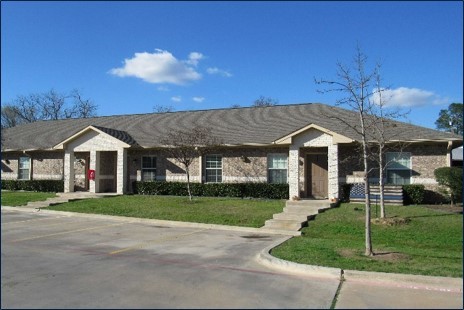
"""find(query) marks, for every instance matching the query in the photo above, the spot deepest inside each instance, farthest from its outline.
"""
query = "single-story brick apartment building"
(312, 147)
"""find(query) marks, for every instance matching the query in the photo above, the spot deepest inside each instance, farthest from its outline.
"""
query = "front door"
(317, 175)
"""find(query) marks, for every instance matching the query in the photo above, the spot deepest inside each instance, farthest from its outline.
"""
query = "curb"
(270, 261)
(158, 222)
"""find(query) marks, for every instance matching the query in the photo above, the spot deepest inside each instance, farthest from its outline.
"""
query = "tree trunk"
(188, 183)
(368, 242)
(381, 184)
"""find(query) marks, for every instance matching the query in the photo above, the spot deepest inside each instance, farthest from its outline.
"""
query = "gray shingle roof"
(118, 134)
(235, 126)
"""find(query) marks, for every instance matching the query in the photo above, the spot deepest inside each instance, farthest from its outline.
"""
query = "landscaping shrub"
(54, 186)
(451, 178)
(252, 190)
(413, 194)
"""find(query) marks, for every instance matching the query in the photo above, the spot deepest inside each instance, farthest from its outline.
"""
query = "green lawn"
(224, 211)
(22, 198)
(429, 244)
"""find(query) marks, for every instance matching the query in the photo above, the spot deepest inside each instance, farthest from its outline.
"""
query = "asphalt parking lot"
(52, 260)
(65, 260)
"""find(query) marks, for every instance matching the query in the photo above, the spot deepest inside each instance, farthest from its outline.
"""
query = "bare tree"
(50, 105)
(10, 116)
(163, 108)
(264, 102)
(186, 146)
(355, 84)
(382, 131)
(81, 108)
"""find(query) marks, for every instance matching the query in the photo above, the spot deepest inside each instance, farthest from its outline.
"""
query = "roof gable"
(336, 138)
(116, 137)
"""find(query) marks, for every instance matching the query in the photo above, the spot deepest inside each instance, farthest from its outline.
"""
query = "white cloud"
(176, 98)
(160, 67)
(215, 70)
(198, 99)
(409, 97)
(194, 58)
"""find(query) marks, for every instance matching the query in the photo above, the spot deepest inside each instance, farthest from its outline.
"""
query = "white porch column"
(121, 173)
(94, 185)
(333, 170)
(68, 171)
(293, 171)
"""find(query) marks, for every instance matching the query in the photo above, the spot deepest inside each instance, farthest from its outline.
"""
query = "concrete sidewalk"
(378, 290)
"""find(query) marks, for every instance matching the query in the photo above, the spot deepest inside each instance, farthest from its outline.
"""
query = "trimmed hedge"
(413, 194)
(252, 190)
(54, 186)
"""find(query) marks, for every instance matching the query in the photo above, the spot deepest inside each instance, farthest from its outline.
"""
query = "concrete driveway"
(66, 260)
(53, 260)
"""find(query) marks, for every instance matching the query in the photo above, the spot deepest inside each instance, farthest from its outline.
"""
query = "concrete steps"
(296, 214)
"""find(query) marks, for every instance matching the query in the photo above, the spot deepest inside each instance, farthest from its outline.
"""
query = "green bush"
(252, 190)
(451, 178)
(53, 186)
(413, 194)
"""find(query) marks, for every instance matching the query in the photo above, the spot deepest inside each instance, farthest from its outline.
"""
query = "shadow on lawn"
(434, 215)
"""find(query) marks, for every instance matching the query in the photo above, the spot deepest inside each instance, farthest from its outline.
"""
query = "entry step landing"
(66, 197)
(296, 214)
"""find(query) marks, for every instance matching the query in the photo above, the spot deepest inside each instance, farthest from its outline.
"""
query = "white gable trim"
(61, 145)
(336, 138)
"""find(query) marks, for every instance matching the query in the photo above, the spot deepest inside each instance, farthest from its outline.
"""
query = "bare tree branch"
(186, 146)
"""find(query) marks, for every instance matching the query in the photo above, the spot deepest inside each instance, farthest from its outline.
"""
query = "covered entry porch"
(313, 166)
(104, 168)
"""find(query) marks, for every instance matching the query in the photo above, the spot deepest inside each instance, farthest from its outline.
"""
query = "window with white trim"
(213, 168)
(24, 168)
(148, 168)
(277, 167)
(398, 168)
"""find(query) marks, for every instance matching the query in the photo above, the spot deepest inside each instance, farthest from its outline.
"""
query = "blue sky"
(130, 56)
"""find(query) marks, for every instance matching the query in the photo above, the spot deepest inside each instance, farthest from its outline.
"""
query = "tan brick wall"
(44, 165)
(235, 169)
(247, 164)
(425, 158)
(10, 166)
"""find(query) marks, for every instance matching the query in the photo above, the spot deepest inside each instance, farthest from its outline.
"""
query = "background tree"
(264, 102)
(50, 105)
(356, 84)
(186, 146)
(163, 108)
(451, 119)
